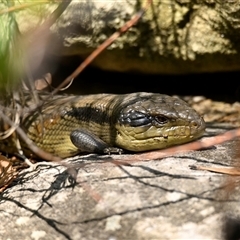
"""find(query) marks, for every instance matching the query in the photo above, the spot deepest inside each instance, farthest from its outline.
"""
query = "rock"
(173, 37)
(160, 199)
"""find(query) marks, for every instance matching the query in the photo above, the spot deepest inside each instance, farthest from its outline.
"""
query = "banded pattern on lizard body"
(68, 125)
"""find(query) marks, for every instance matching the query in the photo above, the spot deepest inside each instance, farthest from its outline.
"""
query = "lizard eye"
(161, 119)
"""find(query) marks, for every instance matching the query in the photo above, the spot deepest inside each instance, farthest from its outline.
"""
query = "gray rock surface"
(174, 36)
(161, 199)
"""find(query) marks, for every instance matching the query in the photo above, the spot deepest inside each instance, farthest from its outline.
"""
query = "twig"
(102, 47)
(224, 170)
(36, 150)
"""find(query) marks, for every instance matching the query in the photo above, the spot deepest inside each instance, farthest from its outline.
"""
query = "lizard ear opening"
(135, 119)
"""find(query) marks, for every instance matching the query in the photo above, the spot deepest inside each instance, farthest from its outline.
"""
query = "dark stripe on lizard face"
(92, 113)
(89, 114)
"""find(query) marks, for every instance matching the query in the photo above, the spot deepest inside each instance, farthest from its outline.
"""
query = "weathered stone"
(174, 36)
(161, 199)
